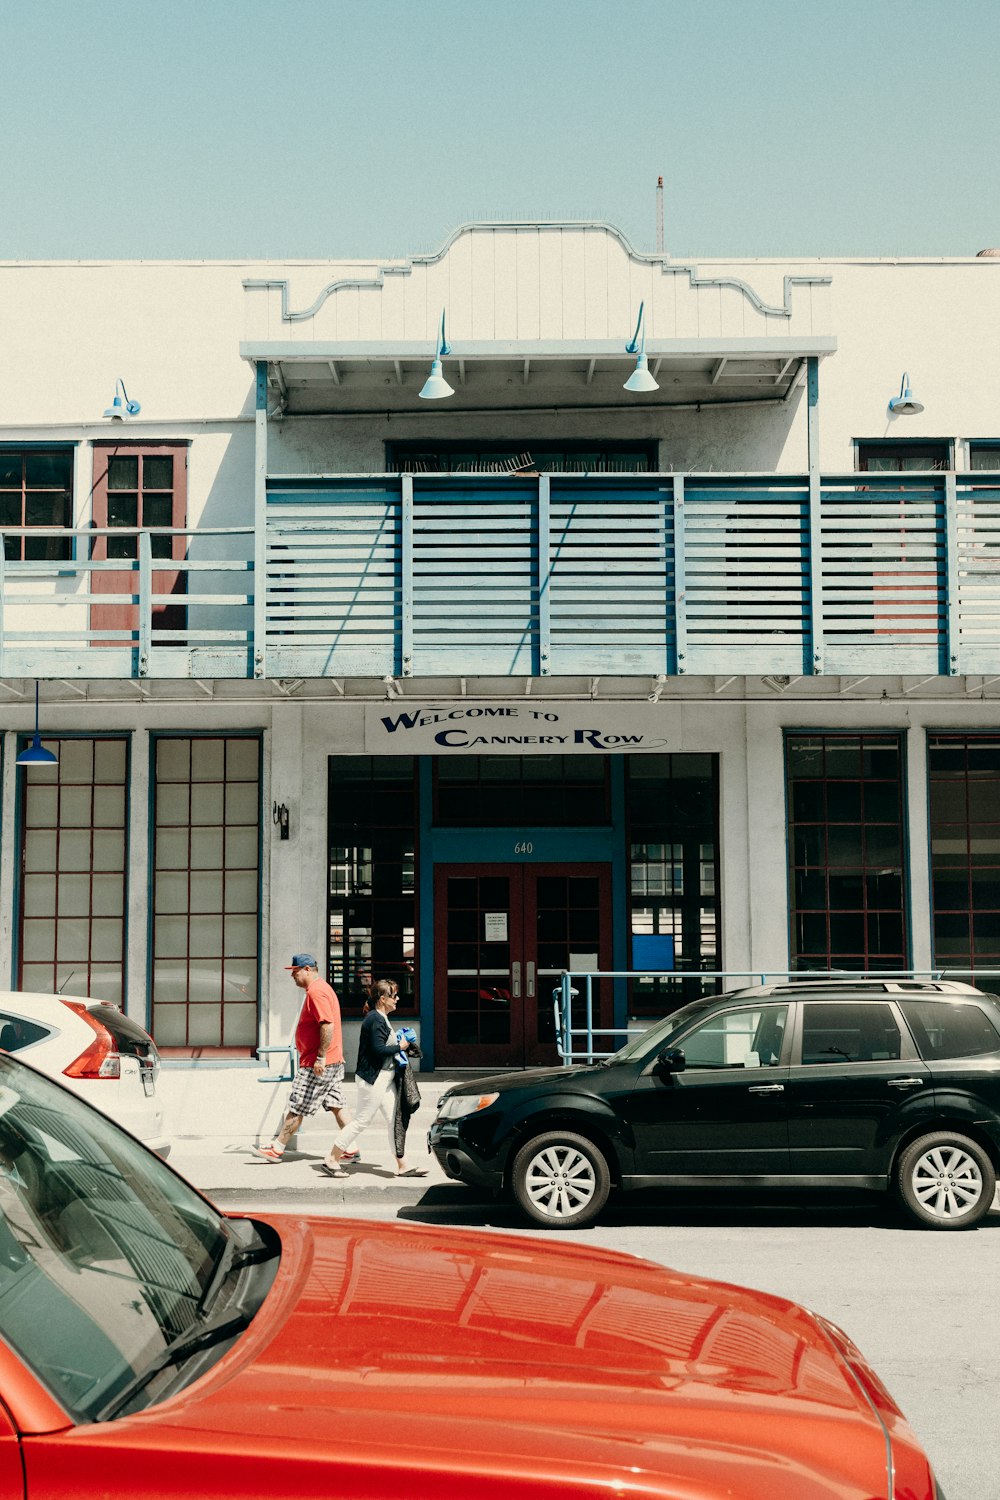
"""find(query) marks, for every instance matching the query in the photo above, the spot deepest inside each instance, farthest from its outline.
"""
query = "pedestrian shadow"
(290, 1155)
(361, 1169)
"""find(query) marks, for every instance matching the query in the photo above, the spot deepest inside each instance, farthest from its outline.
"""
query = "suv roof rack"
(863, 984)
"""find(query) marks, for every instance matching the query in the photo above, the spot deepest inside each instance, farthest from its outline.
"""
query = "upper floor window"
(876, 455)
(984, 455)
(521, 458)
(36, 489)
(137, 487)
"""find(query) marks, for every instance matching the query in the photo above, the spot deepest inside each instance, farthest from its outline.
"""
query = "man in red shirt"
(319, 1043)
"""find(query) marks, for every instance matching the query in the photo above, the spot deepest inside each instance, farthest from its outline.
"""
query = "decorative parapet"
(523, 280)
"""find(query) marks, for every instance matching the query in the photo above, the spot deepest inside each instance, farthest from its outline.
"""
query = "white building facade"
(544, 674)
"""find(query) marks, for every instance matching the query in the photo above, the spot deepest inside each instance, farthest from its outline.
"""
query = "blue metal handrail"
(288, 1073)
(563, 996)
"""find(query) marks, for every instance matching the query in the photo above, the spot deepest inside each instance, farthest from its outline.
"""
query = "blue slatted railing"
(443, 576)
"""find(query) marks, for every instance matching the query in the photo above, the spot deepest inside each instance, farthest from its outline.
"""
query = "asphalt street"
(923, 1306)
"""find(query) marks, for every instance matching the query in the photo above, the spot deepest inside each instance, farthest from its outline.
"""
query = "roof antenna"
(659, 216)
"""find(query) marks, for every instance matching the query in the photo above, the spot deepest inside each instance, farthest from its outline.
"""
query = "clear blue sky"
(215, 128)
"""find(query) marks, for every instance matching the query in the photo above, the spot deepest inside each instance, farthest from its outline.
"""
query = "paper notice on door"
(495, 926)
(584, 961)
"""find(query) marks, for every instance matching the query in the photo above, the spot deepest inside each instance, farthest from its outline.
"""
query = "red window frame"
(125, 616)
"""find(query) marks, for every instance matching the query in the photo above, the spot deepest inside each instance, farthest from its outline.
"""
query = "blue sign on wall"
(651, 952)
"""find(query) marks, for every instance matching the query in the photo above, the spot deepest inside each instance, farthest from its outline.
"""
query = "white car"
(95, 1050)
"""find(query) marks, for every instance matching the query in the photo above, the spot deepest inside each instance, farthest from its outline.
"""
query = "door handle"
(515, 980)
(905, 1083)
(767, 1088)
(529, 979)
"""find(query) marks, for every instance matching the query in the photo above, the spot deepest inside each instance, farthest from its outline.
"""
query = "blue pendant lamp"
(435, 387)
(36, 754)
(640, 378)
(906, 403)
(121, 407)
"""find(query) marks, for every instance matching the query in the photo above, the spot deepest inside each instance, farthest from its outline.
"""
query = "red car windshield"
(105, 1255)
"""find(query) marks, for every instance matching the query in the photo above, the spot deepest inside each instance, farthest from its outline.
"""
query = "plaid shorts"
(309, 1092)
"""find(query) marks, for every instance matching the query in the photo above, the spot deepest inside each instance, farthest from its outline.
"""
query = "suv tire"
(560, 1180)
(945, 1180)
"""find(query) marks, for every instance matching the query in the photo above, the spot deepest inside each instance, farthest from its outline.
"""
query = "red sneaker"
(268, 1153)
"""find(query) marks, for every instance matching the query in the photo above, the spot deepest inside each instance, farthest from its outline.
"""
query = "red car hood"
(475, 1361)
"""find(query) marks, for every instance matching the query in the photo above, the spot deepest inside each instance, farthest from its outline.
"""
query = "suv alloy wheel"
(946, 1181)
(561, 1180)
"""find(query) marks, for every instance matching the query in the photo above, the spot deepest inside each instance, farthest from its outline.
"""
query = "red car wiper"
(192, 1342)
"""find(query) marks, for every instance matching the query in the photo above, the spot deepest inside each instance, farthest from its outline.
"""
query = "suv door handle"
(905, 1083)
(767, 1088)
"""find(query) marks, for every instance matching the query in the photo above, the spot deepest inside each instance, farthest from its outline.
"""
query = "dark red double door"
(503, 935)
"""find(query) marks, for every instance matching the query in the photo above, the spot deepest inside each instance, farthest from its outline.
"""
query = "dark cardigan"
(374, 1046)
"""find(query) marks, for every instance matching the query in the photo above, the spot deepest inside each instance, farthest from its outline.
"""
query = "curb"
(231, 1199)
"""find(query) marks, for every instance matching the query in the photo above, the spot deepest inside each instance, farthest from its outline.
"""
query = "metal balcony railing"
(550, 575)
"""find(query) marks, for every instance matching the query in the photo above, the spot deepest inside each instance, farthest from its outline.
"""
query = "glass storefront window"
(72, 918)
(673, 831)
(372, 925)
(521, 791)
(846, 842)
(964, 772)
(205, 891)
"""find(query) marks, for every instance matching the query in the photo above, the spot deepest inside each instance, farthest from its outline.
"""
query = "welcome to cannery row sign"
(535, 728)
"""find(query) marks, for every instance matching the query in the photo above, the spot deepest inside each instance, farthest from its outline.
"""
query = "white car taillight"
(101, 1058)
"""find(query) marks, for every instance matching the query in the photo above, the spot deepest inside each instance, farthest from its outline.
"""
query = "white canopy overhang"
(342, 378)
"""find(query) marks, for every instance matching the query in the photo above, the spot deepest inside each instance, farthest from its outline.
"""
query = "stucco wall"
(172, 332)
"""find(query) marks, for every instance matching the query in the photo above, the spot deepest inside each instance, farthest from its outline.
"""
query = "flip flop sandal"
(413, 1172)
(329, 1171)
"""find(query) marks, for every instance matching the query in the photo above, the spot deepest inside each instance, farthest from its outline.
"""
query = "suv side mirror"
(672, 1059)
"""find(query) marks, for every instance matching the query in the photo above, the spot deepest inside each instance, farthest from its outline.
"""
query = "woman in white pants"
(377, 1049)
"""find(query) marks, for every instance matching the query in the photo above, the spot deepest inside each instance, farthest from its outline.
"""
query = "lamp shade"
(905, 404)
(121, 407)
(36, 754)
(640, 378)
(435, 387)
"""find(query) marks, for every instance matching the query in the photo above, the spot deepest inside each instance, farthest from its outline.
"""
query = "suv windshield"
(106, 1257)
(659, 1034)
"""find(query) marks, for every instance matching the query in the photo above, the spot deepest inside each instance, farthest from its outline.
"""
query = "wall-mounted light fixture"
(905, 404)
(435, 387)
(279, 817)
(36, 754)
(121, 407)
(640, 378)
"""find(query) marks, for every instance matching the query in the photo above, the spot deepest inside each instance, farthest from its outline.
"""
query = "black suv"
(853, 1083)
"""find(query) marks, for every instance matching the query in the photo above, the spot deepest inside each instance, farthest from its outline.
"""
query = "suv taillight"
(101, 1059)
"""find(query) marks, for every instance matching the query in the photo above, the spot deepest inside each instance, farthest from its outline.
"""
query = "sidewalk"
(223, 1164)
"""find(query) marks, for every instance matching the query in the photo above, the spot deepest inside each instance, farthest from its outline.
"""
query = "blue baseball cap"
(302, 961)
